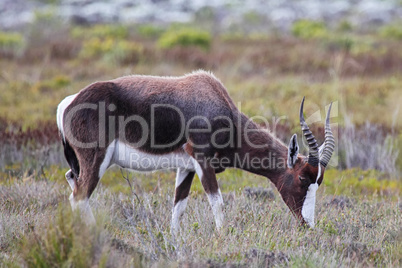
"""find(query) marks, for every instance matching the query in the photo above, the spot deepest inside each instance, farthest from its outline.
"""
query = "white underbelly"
(130, 158)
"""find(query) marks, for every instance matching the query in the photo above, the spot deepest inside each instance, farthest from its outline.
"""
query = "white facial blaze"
(309, 205)
(69, 176)
(84, 208)
(319, 173)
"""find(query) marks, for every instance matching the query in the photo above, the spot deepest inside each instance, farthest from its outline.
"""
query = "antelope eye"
(303, 181)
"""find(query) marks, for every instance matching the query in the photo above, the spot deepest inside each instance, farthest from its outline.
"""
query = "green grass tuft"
(65, 242)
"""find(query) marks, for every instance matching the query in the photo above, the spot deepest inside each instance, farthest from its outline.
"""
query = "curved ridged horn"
(329, 143)
(312, 143)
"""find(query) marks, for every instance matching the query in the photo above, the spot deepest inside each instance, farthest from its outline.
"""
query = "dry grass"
(36, 225)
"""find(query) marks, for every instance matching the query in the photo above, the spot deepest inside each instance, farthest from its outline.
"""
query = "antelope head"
(305, 173)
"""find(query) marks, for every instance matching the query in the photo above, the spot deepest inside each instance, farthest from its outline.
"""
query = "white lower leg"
(216, 202)
(178, 211)
(84, 208)
(215, 199)
(181, 205)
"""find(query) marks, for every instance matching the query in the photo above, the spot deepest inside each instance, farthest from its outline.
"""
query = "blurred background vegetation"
(266, 70)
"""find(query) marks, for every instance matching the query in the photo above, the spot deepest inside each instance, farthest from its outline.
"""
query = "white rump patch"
(60, 112)
(309, 205)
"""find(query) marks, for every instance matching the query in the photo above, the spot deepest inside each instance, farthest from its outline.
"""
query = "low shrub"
(185, 37)
(369, 147)
(11, 44)
(149, 31)
(118, 51)
(100, 31)
(46, 27)
(339, 43)
(253, 18)
(308, 29)
(57, 82)
(391, 31)
(125, 52)
(344, 26)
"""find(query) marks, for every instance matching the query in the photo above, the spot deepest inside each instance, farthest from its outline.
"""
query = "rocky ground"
(225, 13)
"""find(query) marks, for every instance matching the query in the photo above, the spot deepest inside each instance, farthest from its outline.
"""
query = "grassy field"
(358, 207)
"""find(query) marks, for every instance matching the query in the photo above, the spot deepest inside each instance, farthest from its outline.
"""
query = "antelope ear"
(293, 151)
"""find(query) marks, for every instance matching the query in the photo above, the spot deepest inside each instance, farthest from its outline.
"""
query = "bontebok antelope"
(189, 124)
